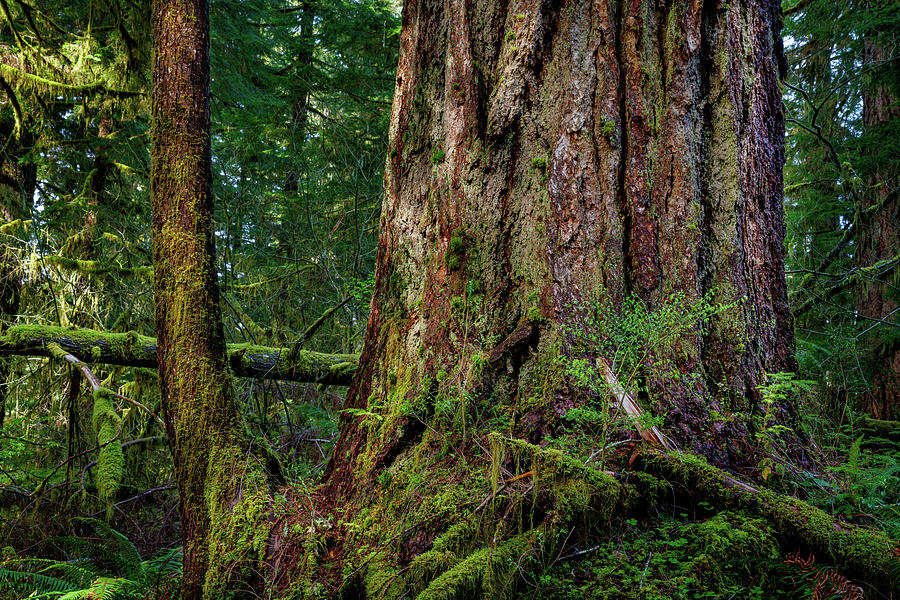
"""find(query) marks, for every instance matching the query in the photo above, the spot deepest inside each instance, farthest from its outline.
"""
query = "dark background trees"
(300, 101)
(81, 253)
(841, 198)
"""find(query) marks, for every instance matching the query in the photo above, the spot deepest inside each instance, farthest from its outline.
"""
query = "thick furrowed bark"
(877, 241)
(135, 350)
(544, 155)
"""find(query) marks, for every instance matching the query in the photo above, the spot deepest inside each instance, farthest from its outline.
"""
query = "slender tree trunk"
(300, 106)
(222, 488)
(545, 154)
(17, 184)
(877, 240)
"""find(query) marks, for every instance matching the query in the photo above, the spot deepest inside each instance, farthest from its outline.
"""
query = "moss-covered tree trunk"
(879, 236)
(565, 181)
(222, 490)
(544, 155)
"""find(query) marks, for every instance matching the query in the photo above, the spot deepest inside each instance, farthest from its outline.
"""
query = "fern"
(81, 577)
(115, 547)
(38, 584)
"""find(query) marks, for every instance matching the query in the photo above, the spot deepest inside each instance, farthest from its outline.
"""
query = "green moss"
(865, 552)
(456, 251)
(609, 129)
(12, 227)
(437, 155)
(110, 459)
(236, 496)
(580, 493)
(490, 572)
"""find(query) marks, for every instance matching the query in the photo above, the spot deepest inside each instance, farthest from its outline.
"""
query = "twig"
(162, 488)
(646, 566)
(579, 553)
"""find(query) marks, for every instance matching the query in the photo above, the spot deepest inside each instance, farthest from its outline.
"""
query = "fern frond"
(77, 595)
(167, 562)
(33, 583)
(116, 547)
(112, 588)
(70, 571)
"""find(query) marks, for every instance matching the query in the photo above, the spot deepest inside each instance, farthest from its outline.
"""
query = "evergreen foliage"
(105, 566)
(840, 173)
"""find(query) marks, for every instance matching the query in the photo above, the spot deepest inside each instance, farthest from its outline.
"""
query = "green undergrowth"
(524, 521)
(862, 482)
(98, 562)
(660, 556)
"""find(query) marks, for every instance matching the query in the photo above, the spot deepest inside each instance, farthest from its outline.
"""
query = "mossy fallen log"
(880, 427)
(867, 554)
(134, 350)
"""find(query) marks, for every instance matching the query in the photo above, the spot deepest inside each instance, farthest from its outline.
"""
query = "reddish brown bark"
(205, 431)
(542, 151)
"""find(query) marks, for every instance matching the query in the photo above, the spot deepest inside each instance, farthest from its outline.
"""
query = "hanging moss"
(95, 267)
(487, 573)
(578, 491)
(110, 460)
(13, 226)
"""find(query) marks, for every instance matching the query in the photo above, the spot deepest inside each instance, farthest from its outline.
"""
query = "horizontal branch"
(134, 350)
(854, 276)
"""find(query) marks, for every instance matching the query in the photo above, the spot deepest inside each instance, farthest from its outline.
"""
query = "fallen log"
(132, 349)
(867, 554)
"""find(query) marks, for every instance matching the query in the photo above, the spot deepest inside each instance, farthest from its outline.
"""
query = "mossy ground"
(502, 518)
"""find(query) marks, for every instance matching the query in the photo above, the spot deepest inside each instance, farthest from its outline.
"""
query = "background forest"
(301, 100)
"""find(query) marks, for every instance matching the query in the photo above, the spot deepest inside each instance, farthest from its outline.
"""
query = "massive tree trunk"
(543, 156)
(223, 491)
(877, 239)
(565, 179)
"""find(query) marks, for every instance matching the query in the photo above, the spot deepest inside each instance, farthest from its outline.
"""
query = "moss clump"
(490, 572)
(580, 493)
(661, 558)
(239, 506)
(609, 129)
(861, 551)
(437, 155)
(456, 251)
(12, 227)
